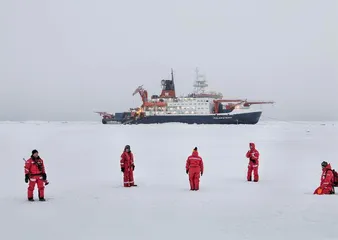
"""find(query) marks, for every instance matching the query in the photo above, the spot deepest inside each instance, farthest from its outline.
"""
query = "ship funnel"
(168, 87)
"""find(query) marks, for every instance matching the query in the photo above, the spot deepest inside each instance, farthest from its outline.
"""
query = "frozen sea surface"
(86, 199)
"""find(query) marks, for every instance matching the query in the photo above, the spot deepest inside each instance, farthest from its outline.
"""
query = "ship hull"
(242, 118)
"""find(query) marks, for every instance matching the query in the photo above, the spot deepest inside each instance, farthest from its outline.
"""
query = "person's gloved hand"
(26, 178)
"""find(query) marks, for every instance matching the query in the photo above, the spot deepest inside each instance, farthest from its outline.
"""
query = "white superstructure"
(189, 106)
(181, 106)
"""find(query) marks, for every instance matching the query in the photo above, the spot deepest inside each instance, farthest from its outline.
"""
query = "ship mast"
(200, 83)
(172, 79)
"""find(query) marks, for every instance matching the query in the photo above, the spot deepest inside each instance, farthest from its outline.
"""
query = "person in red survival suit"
(194, 167)
(253, 156)
(127, 167)
(326, 180)
(35, 173)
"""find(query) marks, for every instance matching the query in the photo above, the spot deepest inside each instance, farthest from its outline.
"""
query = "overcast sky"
(64, 59)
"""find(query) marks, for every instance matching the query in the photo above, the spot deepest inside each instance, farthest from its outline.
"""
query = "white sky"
(62, 60)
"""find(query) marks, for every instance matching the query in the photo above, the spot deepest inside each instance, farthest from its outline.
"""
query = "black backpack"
(335, 178)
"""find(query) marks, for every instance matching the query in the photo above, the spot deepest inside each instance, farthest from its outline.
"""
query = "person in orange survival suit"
(253, 156)
(327, 179)
(127, 167)
(35, 173)
(194, 167)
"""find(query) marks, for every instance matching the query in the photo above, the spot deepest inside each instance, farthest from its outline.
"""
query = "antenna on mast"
(200, 83)
(172, 79)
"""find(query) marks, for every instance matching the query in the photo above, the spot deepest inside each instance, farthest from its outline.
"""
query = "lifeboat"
(154, 104)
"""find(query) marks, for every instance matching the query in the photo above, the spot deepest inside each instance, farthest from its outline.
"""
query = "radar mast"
(200, 83)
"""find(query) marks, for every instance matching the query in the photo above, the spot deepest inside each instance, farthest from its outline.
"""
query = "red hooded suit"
(35, 173)
(253, 156)
(326, 181)
(127, 167)
(194, 167)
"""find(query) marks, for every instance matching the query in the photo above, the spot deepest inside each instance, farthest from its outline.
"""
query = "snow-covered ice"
(86, 200)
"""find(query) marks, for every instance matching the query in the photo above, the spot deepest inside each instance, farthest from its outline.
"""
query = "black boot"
(31, 199)
(42, 199)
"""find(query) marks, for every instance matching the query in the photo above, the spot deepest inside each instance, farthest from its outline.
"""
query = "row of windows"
(187, 100)
(187, 112)
(184, 104)
(174, 112)
(184, 109)
(178, 107)
(188, 107)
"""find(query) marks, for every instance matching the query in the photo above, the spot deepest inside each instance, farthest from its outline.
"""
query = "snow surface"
(86, 199)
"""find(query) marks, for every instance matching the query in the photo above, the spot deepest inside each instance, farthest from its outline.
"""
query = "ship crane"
(229, 107)
(144, 96)
(105, 114)
(248, 104)
(239, 102)
(143, 93)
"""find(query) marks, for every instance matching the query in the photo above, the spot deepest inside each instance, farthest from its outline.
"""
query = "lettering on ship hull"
(222, 117)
